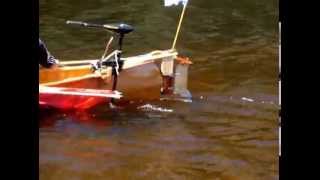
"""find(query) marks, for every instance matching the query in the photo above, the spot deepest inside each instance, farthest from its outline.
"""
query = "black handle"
(117, 28)
(80, 23)
(76, 23)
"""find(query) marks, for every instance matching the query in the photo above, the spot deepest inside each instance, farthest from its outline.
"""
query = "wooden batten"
(129, 61)
(148, 58)
(77, 62)
(70, 80)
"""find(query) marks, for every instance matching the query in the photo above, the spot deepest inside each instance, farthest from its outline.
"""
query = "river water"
(228, 132)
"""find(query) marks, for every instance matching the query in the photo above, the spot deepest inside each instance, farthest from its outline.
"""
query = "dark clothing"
(45, 59)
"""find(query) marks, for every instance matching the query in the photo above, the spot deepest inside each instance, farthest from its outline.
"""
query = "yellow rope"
(179, 25)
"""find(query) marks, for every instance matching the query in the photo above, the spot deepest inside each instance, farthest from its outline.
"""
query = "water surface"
(229, 131)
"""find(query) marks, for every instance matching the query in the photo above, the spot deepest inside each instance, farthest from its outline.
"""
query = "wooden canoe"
(140, 79)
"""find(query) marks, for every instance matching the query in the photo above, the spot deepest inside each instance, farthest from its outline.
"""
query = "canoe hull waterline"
(143, 77)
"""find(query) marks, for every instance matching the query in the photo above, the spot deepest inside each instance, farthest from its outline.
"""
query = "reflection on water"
(230, 129)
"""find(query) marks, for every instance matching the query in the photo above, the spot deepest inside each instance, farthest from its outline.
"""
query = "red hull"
(73, 98)
(66, 102)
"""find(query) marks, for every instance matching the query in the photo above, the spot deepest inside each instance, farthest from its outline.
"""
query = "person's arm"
(52, 61)
(46, 59)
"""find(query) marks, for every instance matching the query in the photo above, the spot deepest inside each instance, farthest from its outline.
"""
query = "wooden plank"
(148, 58)
(59, 74)
(129, 61)
(73, 79)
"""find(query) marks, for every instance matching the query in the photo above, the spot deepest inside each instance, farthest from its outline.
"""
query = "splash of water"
(247, 99)
(149, 107)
